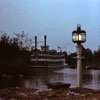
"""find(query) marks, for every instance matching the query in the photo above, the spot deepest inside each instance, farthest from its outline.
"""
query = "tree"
(87, 53)
(14, 57)
(23, 41)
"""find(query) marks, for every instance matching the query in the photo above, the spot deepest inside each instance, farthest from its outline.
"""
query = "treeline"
(91, 59)
(14, 54)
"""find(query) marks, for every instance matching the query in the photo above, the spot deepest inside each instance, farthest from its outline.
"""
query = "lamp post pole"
(79, 66)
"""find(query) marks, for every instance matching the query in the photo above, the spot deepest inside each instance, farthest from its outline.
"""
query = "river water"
(40, 77)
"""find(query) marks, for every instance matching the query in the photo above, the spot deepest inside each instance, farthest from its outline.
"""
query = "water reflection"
(87, 77)
(39, 78)
(94, 82)
(11, 82)
(68, 76)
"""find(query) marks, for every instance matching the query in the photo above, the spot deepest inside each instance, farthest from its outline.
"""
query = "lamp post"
(79, 36)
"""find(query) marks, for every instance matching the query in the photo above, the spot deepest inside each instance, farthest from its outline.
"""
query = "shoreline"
(84, 68)
(57, 94)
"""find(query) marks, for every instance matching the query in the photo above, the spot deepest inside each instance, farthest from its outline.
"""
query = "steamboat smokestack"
(35, 42)
(45, 42)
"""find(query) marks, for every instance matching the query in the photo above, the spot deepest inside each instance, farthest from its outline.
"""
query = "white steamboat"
(45, 57)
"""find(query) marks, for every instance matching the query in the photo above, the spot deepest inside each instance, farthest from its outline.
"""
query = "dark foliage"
(14, 56)
(71, 60)
(92, 60)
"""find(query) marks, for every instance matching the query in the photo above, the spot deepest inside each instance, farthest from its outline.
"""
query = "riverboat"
(45, 57)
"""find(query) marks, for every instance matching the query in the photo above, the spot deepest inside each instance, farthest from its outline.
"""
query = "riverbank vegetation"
(91, 59)
(15, 55)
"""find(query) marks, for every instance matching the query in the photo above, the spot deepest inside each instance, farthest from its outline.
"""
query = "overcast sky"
(54, 18)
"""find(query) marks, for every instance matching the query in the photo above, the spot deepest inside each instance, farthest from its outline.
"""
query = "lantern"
(78, 36)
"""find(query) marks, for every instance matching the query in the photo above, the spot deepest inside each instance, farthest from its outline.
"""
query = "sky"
(54, 18)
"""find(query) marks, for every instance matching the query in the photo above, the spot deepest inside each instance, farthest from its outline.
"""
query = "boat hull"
(58, 85)
(36, 66)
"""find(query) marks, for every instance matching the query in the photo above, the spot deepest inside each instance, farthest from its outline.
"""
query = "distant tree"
(71, 60)
(23, 41)
(97, 56)
(87, 53)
